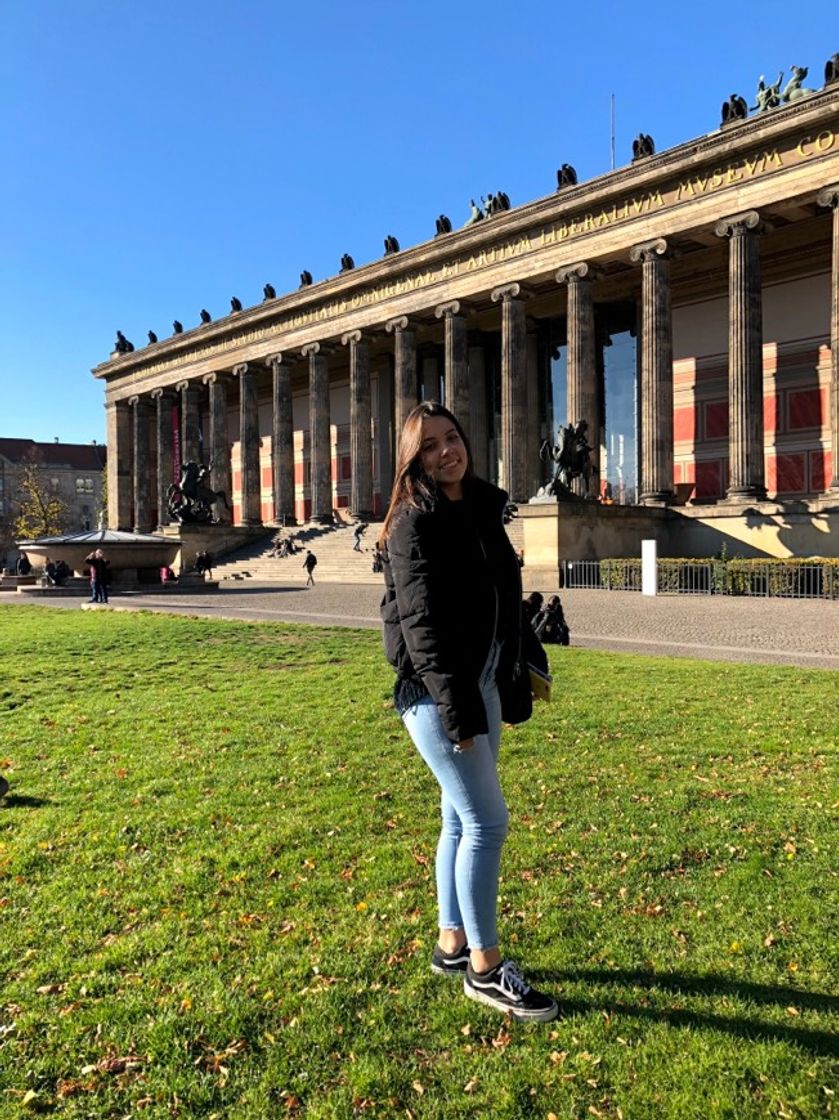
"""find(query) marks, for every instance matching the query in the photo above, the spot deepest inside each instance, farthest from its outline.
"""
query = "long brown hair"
(411, 485)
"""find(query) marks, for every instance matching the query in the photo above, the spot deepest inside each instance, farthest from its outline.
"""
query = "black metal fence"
(790, 579)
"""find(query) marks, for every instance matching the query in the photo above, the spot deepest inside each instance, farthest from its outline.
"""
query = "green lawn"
(216, 884)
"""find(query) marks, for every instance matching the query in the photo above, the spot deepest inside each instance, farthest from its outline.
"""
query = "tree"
(40, 512)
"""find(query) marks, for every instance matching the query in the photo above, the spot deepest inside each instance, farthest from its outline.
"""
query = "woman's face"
(443, 454)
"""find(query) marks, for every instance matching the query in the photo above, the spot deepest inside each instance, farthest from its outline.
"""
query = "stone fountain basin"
(127, 552)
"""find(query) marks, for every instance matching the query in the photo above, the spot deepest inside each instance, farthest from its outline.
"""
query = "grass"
(216, 885)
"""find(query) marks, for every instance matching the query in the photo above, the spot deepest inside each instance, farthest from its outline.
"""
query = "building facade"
(685, 306)
(72, 472)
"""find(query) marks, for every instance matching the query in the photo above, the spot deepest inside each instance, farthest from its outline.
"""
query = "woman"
(452, 631)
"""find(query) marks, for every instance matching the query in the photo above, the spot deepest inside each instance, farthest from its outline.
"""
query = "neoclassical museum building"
(686, 306)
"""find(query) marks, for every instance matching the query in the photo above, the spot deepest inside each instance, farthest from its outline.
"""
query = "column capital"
(181, 386)
(574, 273)
(215, 377)
(161, 394)
(314, 348)
(400, 323)
(829, 196)
(243, 368)
(739, 224)
(134, 400)
(650, 251)
(352, 336)
(281, 358)
(452, 307)
(509, 291)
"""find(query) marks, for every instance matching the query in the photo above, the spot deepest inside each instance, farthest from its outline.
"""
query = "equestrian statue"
(191, 500)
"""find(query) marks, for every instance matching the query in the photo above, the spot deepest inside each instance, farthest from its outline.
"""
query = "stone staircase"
(333, 546)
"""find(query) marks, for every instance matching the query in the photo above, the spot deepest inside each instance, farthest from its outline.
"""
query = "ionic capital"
(400, 323)
(217, 376)
(351, 336)
(242, 369)
(650, 251)
(453, 307)
(738, 225)
(182, 386)
(509, 291)
(281, 358)
(574, 273)
(133, 400)
(311, 349)
(161, 394)
(829, 196)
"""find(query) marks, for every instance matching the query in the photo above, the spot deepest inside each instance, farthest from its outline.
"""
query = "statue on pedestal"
(566, 176)
(572, 459)
(476, 215)
(735, 109)
(122, 345)
(768, 97)
(794, 90)
(191, 500)
(443, 225)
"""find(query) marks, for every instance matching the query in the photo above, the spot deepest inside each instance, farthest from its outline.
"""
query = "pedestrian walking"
(453, 632)
(357, 533)
(310, 564)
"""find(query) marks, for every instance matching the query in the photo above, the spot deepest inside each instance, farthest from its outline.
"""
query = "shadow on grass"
(21, 801)
(817, 1042)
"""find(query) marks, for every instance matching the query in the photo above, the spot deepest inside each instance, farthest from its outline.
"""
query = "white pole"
(649, 567)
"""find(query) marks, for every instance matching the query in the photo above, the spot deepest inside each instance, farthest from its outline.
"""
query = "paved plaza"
(767, 631)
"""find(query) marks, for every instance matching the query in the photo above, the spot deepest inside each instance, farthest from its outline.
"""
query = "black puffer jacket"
(452, 584)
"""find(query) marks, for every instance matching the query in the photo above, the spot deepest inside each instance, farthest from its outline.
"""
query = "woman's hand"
(465, 744)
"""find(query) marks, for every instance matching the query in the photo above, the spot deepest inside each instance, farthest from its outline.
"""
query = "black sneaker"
(4, 789)
(449, 964)
(505, 989)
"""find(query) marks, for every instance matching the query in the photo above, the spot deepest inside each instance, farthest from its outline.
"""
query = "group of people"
(547, 619)
(56, 572)
(284, 546)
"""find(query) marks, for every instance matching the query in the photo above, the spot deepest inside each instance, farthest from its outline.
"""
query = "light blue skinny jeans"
(474, 815)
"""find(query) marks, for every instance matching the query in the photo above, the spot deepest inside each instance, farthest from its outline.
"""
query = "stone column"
(405, 371)
(656, 372)
(120, 484)
(383, 454)
(514, 402)
(830, 197)
(141, 468)
(163, 400)
(190, 421)
(320, 452)
(479, 430)
(456, 368)
(220, 469)
(282, 439)
(745, 358)
(534, 415)
(249, 444)
(361, 440)
(584, 401)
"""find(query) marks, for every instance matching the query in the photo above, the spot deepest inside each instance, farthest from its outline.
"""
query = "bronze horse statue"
(192, 499)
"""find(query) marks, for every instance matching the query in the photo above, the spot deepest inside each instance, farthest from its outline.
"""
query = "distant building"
(74, 472)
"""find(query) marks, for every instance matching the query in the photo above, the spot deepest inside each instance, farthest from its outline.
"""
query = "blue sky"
(160, 158)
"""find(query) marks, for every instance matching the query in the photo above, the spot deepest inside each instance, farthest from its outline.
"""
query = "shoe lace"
(512, 980)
